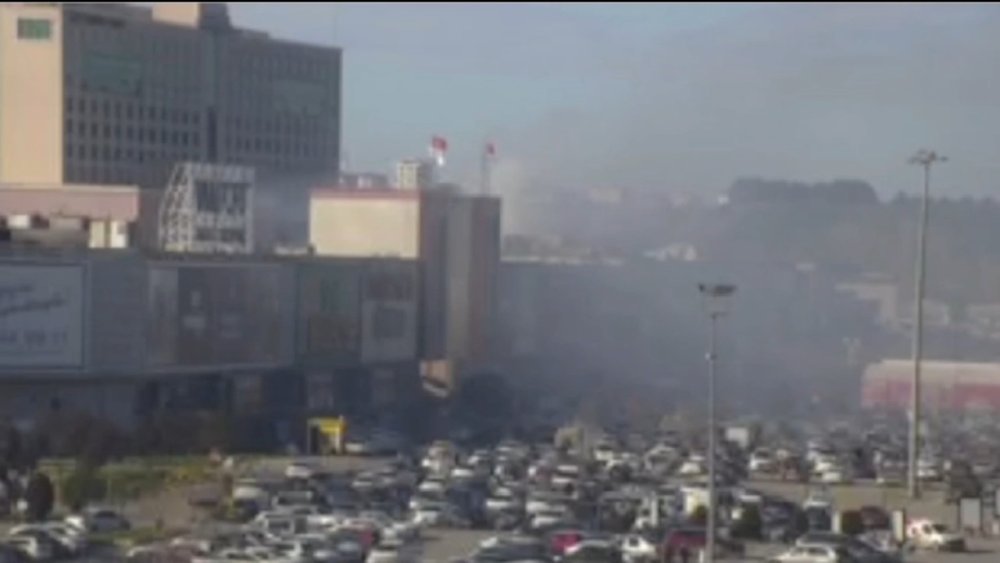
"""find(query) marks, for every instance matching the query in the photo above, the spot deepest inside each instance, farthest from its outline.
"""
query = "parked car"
(926, 534)
(98, 520)
(814, 554)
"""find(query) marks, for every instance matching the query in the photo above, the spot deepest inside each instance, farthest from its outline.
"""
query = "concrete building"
(116, 94)
(414, 174)
(455, 238)
(947, 386)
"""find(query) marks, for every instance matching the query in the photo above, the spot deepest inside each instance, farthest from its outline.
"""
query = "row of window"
(149, 135)
(124, 154)
(119, 109)
(274, 146)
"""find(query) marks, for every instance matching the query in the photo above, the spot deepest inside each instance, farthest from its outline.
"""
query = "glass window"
(81, 105)
(34, 29)
(107, 131)
(69, 126)
(69, 105)
(93, 130)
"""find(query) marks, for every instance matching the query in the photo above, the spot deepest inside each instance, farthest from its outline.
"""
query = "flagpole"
(484, 172)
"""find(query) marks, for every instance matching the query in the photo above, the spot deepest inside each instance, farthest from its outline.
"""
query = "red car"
(561, 540)
(693, 540)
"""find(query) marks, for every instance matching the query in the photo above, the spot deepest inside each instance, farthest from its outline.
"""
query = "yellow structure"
(326, 435)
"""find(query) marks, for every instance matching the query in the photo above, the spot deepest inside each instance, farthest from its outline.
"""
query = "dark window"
(81, 105)
(69, 126)
(128, 133)
(107, 131)
(118, 153)
(34, 29)
(94, 152)
(94, 107)
(69, 105)
(118, 110)
(164, 137)
(81, 151)
(107, 152)
(107, 108)
(93, 130)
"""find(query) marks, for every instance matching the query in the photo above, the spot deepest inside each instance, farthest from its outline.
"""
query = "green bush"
(851, 523)
(84, 485)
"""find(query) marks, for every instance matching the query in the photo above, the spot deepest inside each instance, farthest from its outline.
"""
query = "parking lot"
(611, 498)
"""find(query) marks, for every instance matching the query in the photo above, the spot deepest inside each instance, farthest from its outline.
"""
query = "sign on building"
(41, 316)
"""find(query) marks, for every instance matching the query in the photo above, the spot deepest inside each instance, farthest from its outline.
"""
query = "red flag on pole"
(439, 146)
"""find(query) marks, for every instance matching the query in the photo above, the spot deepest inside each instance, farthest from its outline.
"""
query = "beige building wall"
(365, 226)
(31, 94)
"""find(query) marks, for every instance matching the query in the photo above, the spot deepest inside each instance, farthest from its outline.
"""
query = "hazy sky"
(683, 97)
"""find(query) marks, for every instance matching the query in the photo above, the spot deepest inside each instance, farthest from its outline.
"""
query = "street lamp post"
(716, 299)
(925, 159)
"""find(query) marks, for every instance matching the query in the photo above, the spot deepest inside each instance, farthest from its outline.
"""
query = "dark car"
(875, 518)
(819, 520)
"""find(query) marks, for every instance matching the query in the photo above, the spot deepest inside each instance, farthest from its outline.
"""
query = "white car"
(394, 552)
(926, 534)
(835, 475)
(69, 537)
(32, 547)
(761, 461)
(98, 520)
(431, 487)
(502, 500)
(548, 518)
(813, 554)
(637, 548)
(691, 468)
(299, 470)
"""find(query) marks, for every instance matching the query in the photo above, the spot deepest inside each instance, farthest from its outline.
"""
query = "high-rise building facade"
(118, 94)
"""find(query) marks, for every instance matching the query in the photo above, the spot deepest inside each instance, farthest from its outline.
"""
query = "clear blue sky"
(683, 96)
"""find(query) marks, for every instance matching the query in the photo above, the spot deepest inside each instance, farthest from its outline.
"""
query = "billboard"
(329, 311)
(41, 316)
(217, 314)
(389, 312)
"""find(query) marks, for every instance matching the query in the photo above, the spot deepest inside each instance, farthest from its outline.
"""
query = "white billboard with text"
(41, 316)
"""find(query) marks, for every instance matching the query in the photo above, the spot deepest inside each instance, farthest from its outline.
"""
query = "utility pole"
(716, 298)
(926, 159)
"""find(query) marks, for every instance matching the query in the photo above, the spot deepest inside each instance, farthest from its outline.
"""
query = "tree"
(749, 525)
(699, 516)
(82, 486)
(851, 523)
(40, 497)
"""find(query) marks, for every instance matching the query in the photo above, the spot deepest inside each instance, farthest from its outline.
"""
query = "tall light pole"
(926, 159)
(716, 299)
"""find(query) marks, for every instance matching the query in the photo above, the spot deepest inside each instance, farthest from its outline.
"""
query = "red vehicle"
(561, 540)
(693, 540)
